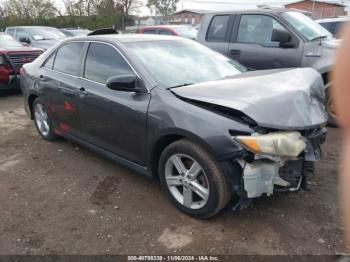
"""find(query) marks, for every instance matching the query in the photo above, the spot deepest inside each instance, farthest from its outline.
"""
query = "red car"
(179, 30)
(13, 55)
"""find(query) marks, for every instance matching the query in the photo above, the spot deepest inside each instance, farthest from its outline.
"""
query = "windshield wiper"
(318, 37)
(185, 84)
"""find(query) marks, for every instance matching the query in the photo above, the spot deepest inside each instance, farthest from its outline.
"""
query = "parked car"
(179, 30)
(13, 56)
(204, 128)
(333, 25)
(36, 36)
(272, 38)
(71, 32)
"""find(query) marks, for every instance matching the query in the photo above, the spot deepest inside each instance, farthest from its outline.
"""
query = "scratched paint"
(65, 127)
(69, 106)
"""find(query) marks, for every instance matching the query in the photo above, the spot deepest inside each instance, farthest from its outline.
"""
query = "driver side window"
(103, 61)
(258, 29)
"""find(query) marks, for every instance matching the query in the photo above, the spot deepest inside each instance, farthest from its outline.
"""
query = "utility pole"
(313, 8)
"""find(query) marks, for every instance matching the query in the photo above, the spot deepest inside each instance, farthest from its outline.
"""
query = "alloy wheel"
(41, 119)
(187, 181)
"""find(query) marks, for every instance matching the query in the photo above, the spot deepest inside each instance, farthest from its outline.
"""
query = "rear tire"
(210, 190)
(43, 121)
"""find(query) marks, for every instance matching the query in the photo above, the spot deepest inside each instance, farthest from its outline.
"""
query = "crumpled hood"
(283, 99)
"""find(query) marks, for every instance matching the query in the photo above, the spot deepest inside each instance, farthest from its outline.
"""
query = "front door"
(112, 120)
(252, 45)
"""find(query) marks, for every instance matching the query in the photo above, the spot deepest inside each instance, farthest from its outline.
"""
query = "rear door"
(251, 43)
(219, 32)
(112, 120)
(58, 80)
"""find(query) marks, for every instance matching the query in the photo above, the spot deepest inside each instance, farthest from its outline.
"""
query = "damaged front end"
(277, 161)
(285, 108)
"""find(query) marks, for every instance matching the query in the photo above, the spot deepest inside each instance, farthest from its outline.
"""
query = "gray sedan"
(175, 110)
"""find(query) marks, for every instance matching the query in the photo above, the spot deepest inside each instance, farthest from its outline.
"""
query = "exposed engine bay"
(266, 173)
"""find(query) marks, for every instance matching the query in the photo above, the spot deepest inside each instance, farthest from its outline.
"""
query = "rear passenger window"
(336, 28)
(329, 26)
(49, 62)
(11, 32)
(103, 62)
(217, 29)
(68, 58)
(165, 32)
(150, 31)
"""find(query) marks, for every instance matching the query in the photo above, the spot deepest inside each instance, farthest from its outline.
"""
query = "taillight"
(3, 60)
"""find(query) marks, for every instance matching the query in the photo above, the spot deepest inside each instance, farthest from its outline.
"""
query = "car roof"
(73, 29)
(125, 38)
(29, 26)
(166, 26)
(334, 19)
(260, 10)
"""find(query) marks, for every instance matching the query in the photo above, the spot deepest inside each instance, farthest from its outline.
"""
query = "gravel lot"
(59, 198)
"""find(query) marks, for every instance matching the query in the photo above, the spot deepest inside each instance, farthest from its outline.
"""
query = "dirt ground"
(59, 198)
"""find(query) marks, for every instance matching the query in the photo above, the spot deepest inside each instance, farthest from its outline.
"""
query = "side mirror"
(126, 83)
(24, 40)
(283, 37)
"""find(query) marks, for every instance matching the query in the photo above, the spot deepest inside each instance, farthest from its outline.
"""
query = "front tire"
(193, 180)
(43, 121)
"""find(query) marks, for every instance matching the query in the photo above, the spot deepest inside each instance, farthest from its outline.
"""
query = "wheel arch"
(168, 138)
(31, 99)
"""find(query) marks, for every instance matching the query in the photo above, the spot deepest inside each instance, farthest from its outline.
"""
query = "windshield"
(180, 62)
(188, 32)
(305, 25)
(45, 33)
(7, 41)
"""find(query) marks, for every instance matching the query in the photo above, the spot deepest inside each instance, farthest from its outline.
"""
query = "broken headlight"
(277, 143)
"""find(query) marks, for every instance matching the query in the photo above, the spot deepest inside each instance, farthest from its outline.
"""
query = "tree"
(126, 6)
(164, 7)
(79, 7)
(31, 9)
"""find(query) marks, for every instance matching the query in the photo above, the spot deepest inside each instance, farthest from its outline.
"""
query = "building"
(148, 20)
(319, 8)
(189, 16)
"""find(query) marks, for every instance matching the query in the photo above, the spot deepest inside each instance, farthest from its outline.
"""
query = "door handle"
(67, 92)
(235, 52)
(83, 92)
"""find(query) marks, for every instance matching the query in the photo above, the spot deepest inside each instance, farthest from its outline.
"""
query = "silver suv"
(271, 38)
